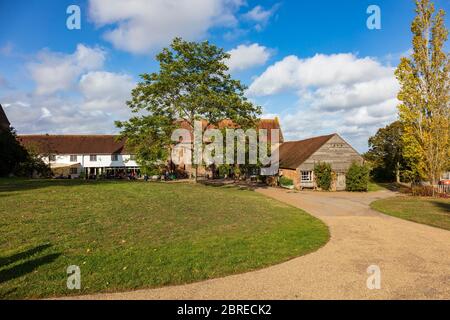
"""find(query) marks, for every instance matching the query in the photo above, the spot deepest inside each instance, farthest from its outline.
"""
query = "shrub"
(422, 191)
(223, 170)
(357, 178)
(286, 181)
(323, 175)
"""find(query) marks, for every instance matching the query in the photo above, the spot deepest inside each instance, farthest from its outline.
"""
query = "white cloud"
(139, 26)
(260, 15)
(86, 100)
(106, 90)
(53, 71)
(45, 113)
(247, 56)
(321, 70)
(336, 93)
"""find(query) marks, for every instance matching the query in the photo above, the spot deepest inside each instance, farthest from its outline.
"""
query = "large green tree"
(12, 153)
(386, 153)
(424, 94)
(18, 161)
(192, 84)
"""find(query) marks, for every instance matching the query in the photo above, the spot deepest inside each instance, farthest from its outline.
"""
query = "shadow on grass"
(394, 186)
(4, 261)
(237, 185)
(26, 267)
(443, 205)
(17, 184)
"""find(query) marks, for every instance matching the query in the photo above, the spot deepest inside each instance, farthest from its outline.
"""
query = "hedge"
(357, 178)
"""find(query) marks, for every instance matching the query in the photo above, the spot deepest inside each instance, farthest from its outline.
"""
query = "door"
(340, 182)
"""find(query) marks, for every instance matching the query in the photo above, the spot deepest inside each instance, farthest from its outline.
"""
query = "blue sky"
(314, 64)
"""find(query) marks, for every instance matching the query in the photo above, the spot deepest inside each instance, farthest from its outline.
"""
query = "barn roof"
(73, 144)
(294, 153)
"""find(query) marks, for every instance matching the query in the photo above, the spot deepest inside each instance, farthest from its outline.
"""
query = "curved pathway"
(414, 259)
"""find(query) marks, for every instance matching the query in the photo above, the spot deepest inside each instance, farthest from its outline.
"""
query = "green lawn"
(128, 235)
(433, 212)
(374, 186)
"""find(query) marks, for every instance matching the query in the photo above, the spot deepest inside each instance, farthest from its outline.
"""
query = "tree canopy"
(192, 84)
(386, 153)
(424, 95)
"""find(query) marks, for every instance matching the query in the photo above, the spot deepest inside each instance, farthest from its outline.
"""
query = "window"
(114, 157)
(93, 157)
(132, 157)
(73, 158)
(306, 176)
(73, 170)
(52, 157)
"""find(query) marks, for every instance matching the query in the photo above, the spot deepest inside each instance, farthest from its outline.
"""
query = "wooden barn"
(298, 158)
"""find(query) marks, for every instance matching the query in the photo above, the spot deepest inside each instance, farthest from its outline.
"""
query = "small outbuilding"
(298, 158)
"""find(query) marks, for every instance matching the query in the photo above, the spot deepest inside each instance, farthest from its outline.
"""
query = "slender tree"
(192, 84)
(424, 94)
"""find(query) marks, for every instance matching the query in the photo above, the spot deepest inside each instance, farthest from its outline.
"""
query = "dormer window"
(114, 157)
(93, 157)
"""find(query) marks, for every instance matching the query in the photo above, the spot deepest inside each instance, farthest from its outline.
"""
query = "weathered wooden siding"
(336, 152)
(339, 154)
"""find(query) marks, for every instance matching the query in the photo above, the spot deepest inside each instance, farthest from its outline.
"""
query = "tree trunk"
(397, 173)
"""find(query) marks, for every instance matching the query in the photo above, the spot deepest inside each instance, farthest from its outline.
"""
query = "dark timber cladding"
(4, 122)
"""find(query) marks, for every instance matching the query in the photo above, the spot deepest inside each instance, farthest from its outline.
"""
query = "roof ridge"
(294, 153)
(317, 137)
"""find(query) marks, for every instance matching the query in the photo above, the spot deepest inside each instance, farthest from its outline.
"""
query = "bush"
(223, 170)
(357, 178)
(323, 175)
(286, 181)
(422, 191)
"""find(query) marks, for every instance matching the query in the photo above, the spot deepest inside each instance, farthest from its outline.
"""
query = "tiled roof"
(73, 144)
(103, 144)
(294, 153)
(267, 124)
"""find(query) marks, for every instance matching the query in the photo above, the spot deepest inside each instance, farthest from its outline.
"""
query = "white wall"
(103, 160)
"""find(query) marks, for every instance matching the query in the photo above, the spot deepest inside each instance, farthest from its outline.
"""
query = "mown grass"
(433, 212)
(129, 235)
(375, 186)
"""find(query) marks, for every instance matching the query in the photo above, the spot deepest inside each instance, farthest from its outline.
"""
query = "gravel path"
(414, 259)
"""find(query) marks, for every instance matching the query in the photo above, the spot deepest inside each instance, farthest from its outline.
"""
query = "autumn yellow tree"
(424, 94)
